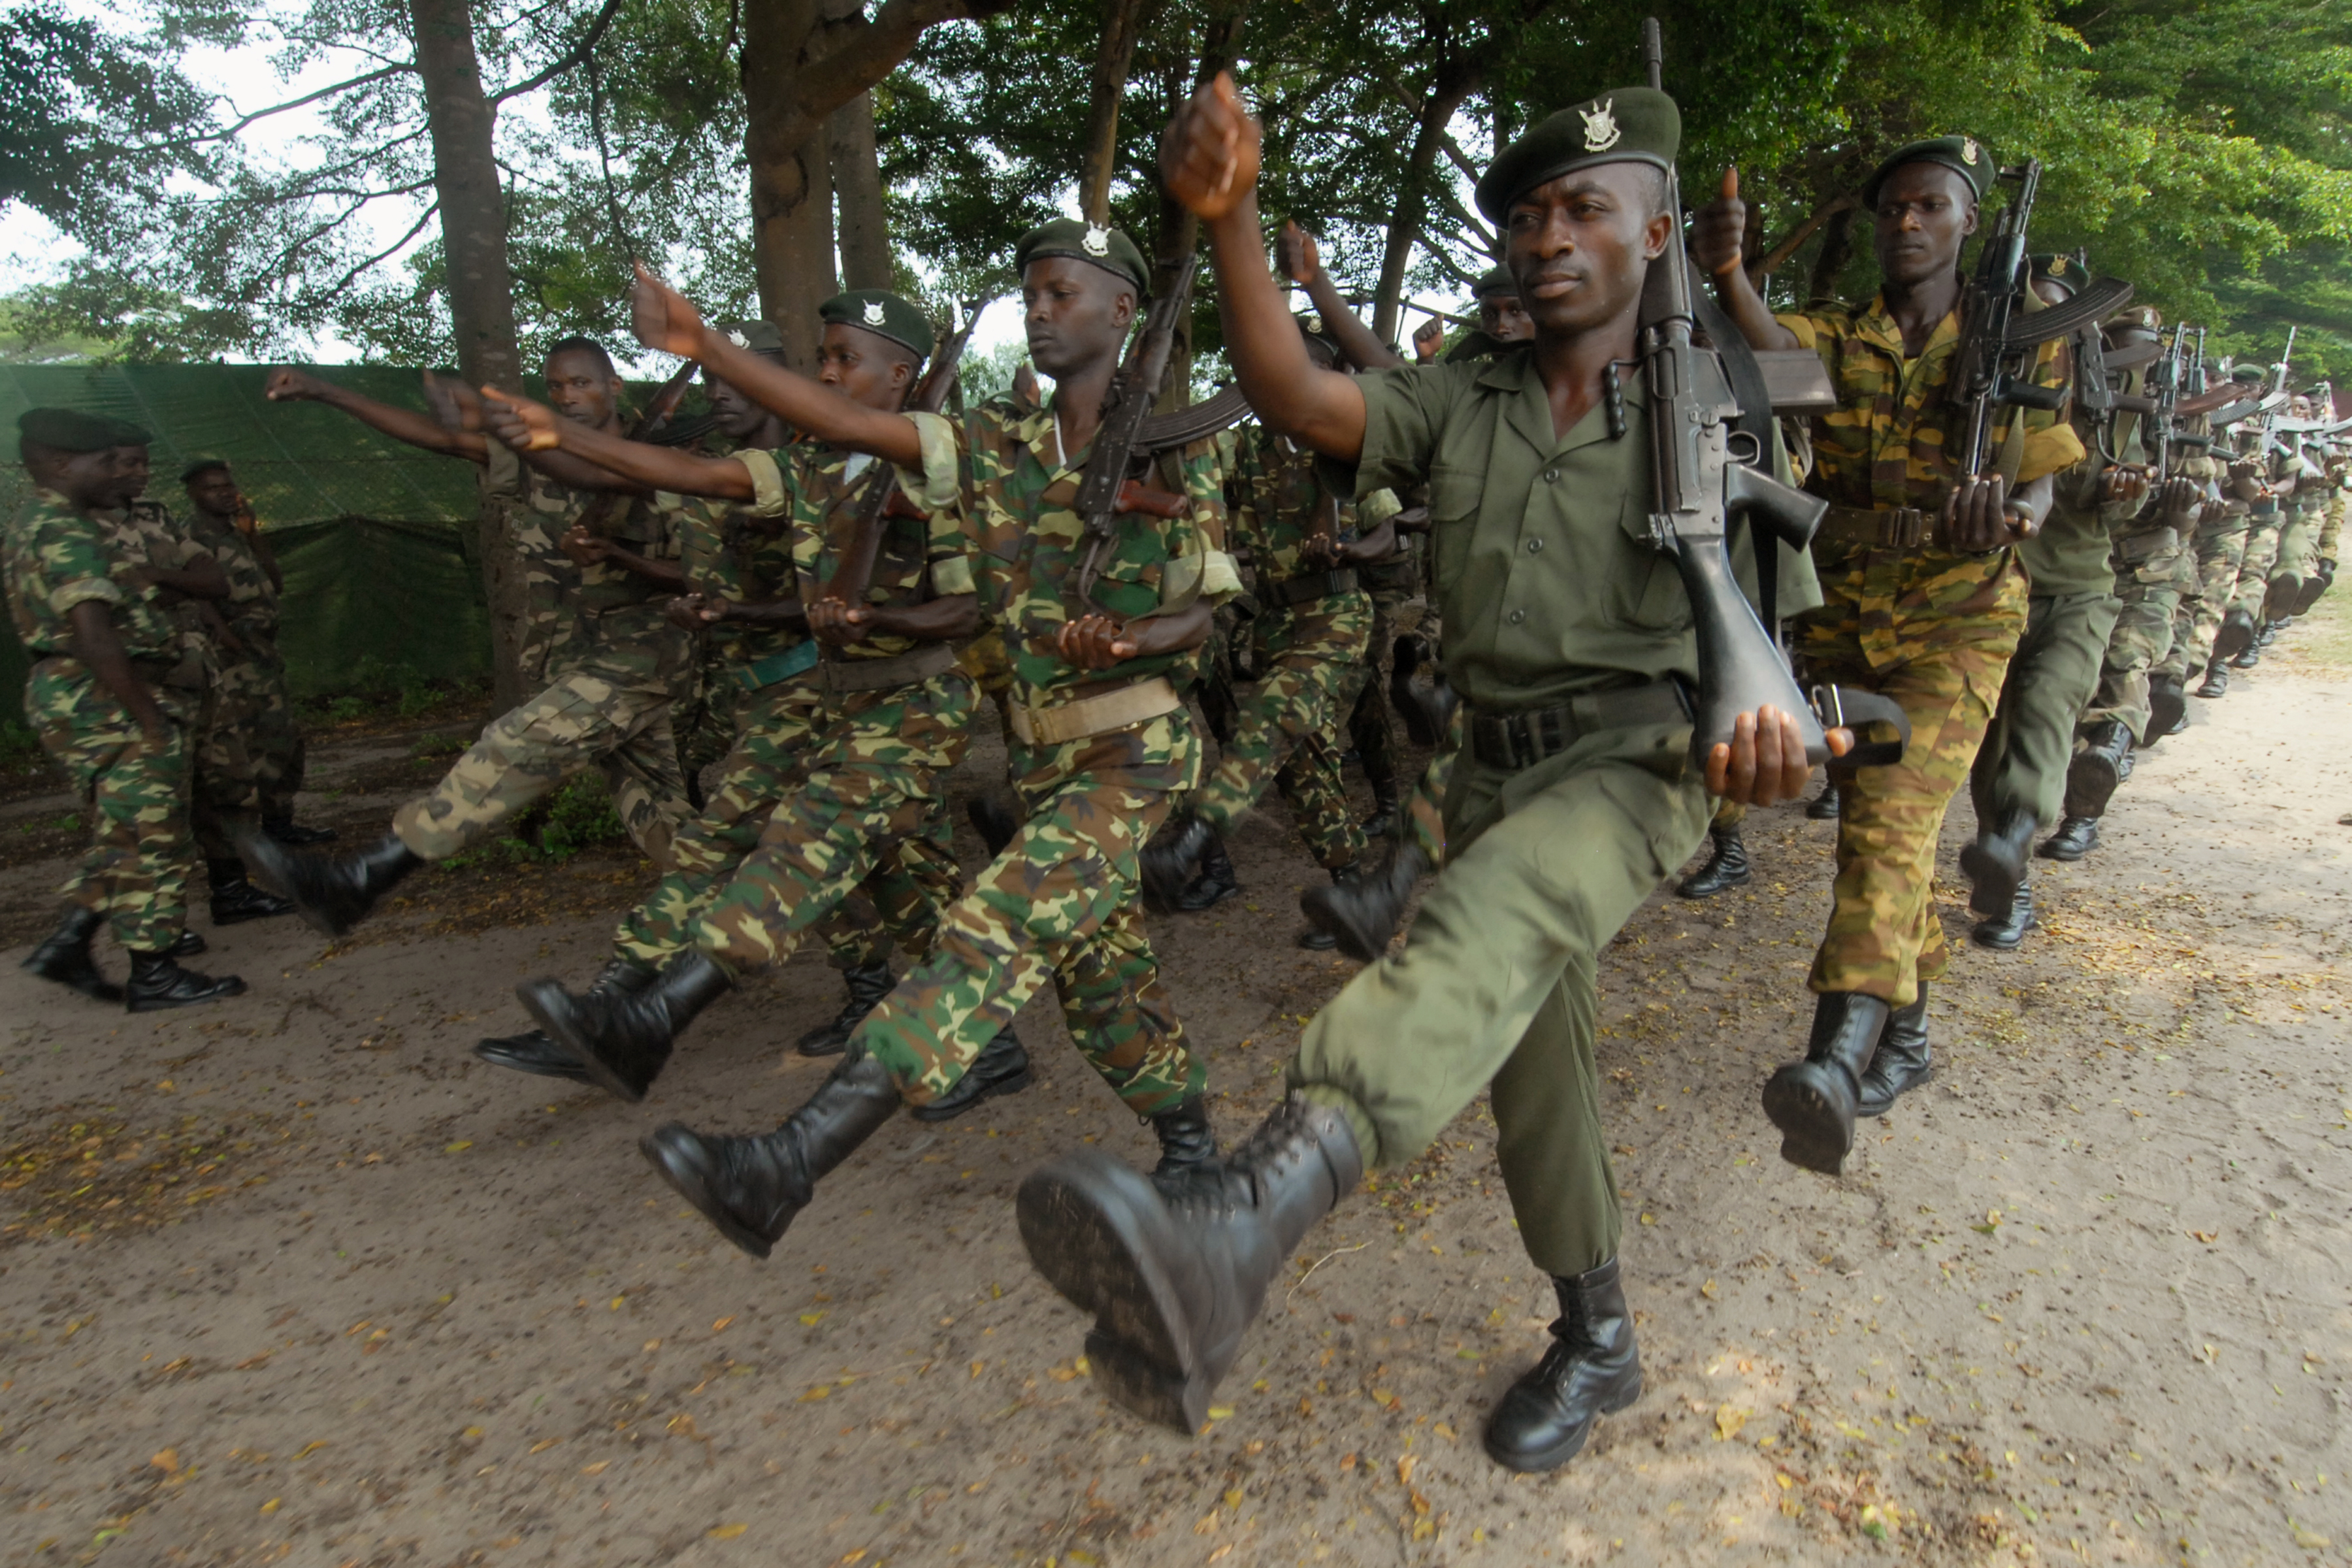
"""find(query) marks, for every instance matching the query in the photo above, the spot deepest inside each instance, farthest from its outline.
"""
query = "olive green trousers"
(2051, 677)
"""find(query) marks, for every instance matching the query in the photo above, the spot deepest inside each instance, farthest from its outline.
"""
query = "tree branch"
(1766, 264)
(565, 61)
(351, 277)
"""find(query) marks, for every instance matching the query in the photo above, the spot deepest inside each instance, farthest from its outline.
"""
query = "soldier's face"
(737, 414)
(88, 480)
(1502, 318)
(865, 367)
(129, 475)
(1925, 211)
(214, 491)
(1580, 245)
(580, 387)
(1076, 314)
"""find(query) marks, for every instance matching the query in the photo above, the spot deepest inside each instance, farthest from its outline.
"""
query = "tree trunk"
(1123, 22)
(1837, 245)
(857, 195)
(1405, 219)
(481, 291)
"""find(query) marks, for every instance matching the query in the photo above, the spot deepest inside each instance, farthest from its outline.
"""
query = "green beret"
(759, 337)
(884, 314)
(203, 465)
(1631, 125)
(2134, 337)
(71, 430)
(1964, 155)
(1493, 281)
(2135, 320)
(1104, 247)
(1311, 324)
(2248, 373)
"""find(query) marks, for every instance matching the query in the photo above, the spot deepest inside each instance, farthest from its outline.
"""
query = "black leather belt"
(1524, 737)
(1314, 585)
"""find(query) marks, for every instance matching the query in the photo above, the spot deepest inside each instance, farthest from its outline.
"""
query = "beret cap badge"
(1601, 132)
(1096, 241)
(1969, 152)
(875, 314)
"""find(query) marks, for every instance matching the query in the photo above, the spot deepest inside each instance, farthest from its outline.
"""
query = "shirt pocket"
(1453, 497)
(1645, 590)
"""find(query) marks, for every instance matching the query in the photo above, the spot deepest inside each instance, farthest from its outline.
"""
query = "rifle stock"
(855, 575)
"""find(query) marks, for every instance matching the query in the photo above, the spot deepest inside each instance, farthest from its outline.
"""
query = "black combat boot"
(2217, 679)
(2098, 768)
(1175, 1271)
(994, 821)
(236, 898)
(2168, 707)
(753, 1188)
(1902, 1062)
(623, 1037)
(1361, 914)
(1812, 1101)
(2236, 635)
(2272, 626)
(1995, 863)
(333, 890)
(2248, 656)
(1725, 868)
(2076, 837)
(2004, 930)
(1824, 808)
(1001, 1067)
(1216, 882)
(1317, 937)
(2315, 586)
(538, 1052)
(868, 984)
(1593, 1369)
(157, 981)
(192, 944)
(1386, 799)
(64, 956)
(1187, 1146)
(284, 829)
(1168, 861)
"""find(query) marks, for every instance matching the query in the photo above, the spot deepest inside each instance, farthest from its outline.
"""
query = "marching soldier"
(103, 648)
(597, 633)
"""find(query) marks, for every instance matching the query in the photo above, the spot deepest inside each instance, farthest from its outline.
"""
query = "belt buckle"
(1518, 741)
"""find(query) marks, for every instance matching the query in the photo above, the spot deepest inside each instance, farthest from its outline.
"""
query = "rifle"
(855, 575)
(598, 512)
(1699, 484)
(1109, 488)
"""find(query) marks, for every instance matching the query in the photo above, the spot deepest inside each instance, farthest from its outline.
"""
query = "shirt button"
(1551, 475)
(1535, 546)
(1516, 616)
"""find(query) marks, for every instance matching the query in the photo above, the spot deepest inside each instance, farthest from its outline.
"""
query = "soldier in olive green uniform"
(896, 714)
(102, 647)
(2026, 767)
(1570, 638)
(598, 565)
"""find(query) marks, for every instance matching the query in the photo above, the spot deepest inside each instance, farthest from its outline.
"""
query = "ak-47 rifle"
(855, 575)
(1703, 401)
(2163, 406)
(1110, 485)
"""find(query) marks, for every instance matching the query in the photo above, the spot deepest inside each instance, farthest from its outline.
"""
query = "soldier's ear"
(1969, 224)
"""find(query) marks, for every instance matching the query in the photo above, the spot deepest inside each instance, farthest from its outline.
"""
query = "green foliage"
(379, 689)
(20, 748)
(91, 121)
(575, 817)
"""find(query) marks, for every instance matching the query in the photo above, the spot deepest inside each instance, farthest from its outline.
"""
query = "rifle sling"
(1755, 420)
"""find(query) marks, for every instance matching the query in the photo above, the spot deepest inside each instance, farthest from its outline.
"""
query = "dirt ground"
(294, 1278)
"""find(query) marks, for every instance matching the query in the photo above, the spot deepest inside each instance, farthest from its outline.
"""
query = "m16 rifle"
(1710, 433)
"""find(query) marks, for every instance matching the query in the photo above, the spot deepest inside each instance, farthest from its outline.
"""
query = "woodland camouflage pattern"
(253, 719)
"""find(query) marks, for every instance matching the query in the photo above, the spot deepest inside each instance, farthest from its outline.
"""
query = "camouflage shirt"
(603, 619)
(1276, 500)
(144, 534)
(728, 551)
(818, 490)
(1021, 490)
(252, 606)
(54, 557)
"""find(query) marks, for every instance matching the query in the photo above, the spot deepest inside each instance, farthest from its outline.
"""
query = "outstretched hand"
(664, 318)
(454, 404)
(525, 426)
(1295, 252)
(286, 384)
(1765, 762)
(1209, 154)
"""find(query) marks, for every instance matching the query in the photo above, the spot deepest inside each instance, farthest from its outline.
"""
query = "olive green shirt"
(1542, 564)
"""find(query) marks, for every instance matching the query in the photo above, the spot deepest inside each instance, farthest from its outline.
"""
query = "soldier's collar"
(1877, 326)
(1509, 371)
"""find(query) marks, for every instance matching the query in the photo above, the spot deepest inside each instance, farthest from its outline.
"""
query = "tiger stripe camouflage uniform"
(1310, 633)
(866, 786)
(135, 871)
(1931, 630)
(1063, 898)
(613, 666)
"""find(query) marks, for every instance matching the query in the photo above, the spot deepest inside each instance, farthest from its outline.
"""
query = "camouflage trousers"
(1498, 984)
(2220, 554)
(1883, 937)
(1287, 731)
(2021, 765)
(581, 721)
(708, 727)
(2148, 591)
(1425, 808)
(1371, 719)
(135, 871)
(864, 798)
(2262, 532)
(248, 755)
(1061, 901)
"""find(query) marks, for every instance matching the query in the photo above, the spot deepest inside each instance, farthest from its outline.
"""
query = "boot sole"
(97, 987)
(1696, 888)
(822, 1045)
(2066, 856)
(240, 917)
(1085, 1222)
(1560, 1453)
(2004, 943)
(2233, 638)
(1994, 892)
(2091, 780)
(1810, 1134)
(220, 990)
(537, 998)
(687, 1181)
(491, 1051)
(1348, 935)
(1013, 1085)
(1232, 892)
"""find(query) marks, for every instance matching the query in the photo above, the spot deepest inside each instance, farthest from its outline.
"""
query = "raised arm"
(1718, 232)
(666, 321)
(1295, 251)
(1209, 160)
(538, 431)
(286, 384)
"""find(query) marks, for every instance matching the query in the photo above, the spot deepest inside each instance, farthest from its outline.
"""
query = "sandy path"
(294, 1278)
